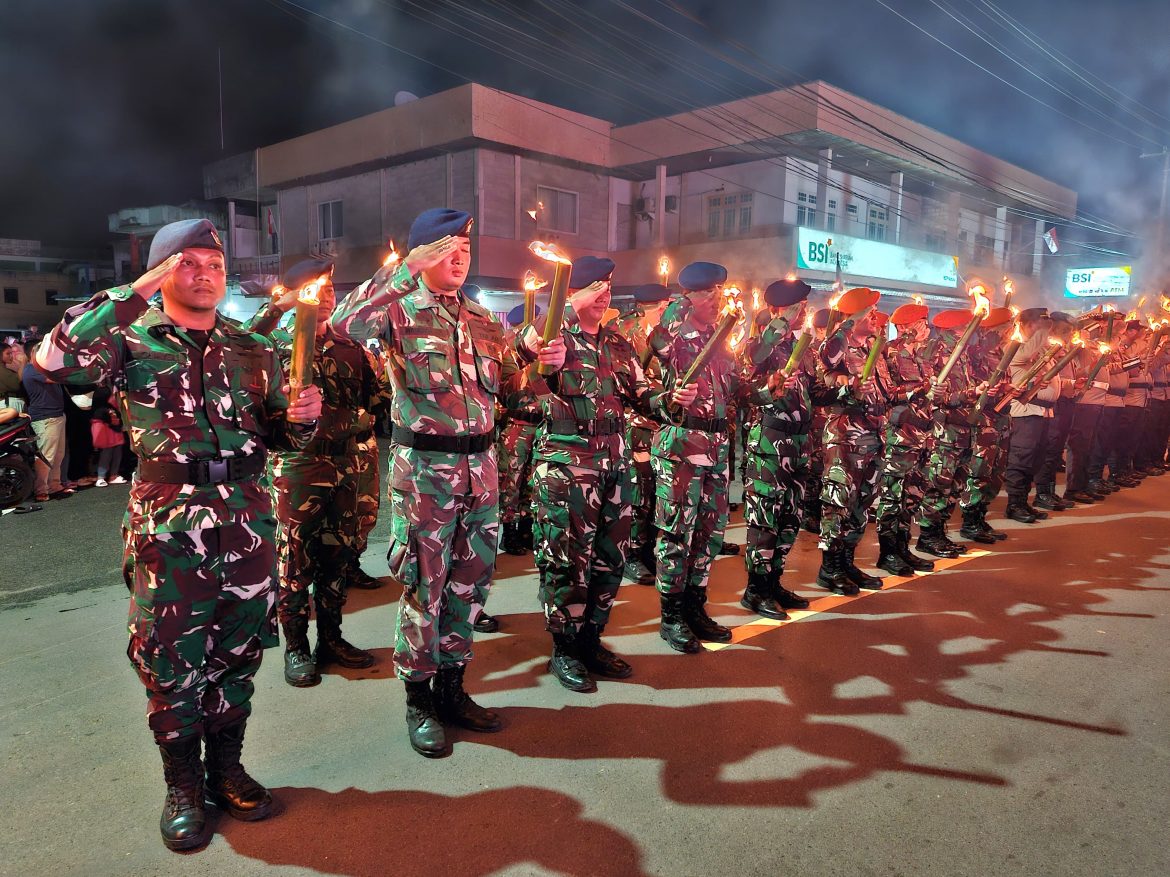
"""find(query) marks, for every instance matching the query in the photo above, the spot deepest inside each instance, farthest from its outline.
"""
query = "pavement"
(1007, 714)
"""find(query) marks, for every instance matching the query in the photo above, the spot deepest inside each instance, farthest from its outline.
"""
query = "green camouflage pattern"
(906, 442)
(640, 432)
(171, 411)
(946, 467)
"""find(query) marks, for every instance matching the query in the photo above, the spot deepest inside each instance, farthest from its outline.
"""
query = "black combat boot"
(784, 597)
(997, 535)
(832, 575)
(638, 573)
(422, 722)
(526, 537)
(958, 547)
(184, 822)
(812, 517)
(485, 623)
(702, 625)
(1047, 499)
(673, 628)
(1019, 511)
(228, 785)
(300, 670)
(857, 575)
(454, 706)
(356, 577)
(513, 541)
(730, 549)
(972, 530)
(889, 558)
(333, 649)
(916, 563)
(565, 664)
(931, 540)
(596, 657)
(760, 599)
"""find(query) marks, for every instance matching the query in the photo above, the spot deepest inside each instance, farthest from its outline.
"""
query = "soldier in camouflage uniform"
(776, 463)
(689, 456)
(635, 327)
(951, 445)
(981, 475)
(906, 444)
(201, 400)
(447, 365)
(583, 481)
(316, 488)
(816, 440)
(853, 442)
(514, 452)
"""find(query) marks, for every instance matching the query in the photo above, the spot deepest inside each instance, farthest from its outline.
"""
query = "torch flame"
(982, 306)
(1132, 315)
(308, 294)
(663, 267)
(1017, 335)
(1015, 311)
(1141, 302)
(1103, 348)
(918, 300)
(532, 282)
(277, 291)
(790, 276)
(808, 321)
(1109, 309)
(1078, 340)
(1055, 342)
(392, 258)
(833, 301)
(756, 299)
(548, 252)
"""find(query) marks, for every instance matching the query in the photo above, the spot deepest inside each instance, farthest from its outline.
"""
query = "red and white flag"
(1050, 240)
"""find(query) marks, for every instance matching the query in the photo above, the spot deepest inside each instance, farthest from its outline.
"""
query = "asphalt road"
(1007, 715)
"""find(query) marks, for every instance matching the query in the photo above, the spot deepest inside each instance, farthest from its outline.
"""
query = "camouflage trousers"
(581, 530)
(946, 472)
(902, 478)
(774, 488)
(643, 534)
(316, 528)
(514, 451)
(442, 552)
(850, 482)
(201, 615)
(691, 514)
(980, 473)
(815, 473)
(368, 467)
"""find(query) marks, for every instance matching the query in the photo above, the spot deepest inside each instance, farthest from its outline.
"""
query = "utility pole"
(1165, 156)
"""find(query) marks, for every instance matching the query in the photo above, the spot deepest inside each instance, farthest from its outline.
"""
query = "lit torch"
(392, 258)
(1009, 353)
(1009, 289)
(981, 309)
(664, 269)
(531, 284)
(1111, 312)
(1104, 351)
(1054, 346)
(802, 342)
(732, 311)
(558, 294)
(1074, 348)
(304, 338)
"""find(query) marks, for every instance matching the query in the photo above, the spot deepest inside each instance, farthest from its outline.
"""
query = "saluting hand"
(284, 300)
(427, 256)
(150, 282)
(307, 406)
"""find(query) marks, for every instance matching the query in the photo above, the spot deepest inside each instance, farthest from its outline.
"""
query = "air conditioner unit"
(672, 203)
(329, 247)
(643, 205)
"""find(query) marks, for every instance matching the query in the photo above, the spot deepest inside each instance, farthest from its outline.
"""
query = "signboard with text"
(818, 250)
(1098, 282)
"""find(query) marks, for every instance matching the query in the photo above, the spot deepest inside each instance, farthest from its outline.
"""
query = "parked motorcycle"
(18, 456)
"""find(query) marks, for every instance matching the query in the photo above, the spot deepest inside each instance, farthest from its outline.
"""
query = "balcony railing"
(256, 264)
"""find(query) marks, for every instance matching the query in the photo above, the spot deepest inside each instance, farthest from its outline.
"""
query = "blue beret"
(188, 234)
(306, 272)
(436, 223)
(589, 269)
(698, 276)
(652, 293)
(516, 315)
(471, 291)
(783, 293)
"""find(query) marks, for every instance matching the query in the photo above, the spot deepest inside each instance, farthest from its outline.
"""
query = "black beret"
(436, 223)
(1029, 315)
(698, 276)
(306, 272)
(589, 269)
(187, 234)
(784, 293)
(652, 293)
(516, 315)
(821, 319)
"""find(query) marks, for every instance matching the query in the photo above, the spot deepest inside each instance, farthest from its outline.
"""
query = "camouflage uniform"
(316, 489)
(446, 361)
(514, 453)
(199, 557)
(906, 443)
(640, 432)
(583, 482)
(984, 470)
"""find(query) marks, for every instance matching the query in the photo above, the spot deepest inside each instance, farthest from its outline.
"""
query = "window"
(806, 209)
(559, 212)
(729, 215)
(50, 296)
(831, 222)
(851, 209)
(11, 296)
(936, 242)
(984, 250)
(878, 217)
(832, 204)
(331, 224)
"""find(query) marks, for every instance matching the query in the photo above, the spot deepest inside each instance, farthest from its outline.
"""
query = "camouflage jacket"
(767, 353)
(630, 327)
(179, 403)
(601, 378)
(447, 365)
(855, 413)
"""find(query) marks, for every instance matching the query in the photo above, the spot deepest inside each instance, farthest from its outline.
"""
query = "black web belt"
(705, 424)
(603, 426)
(201, 472)
(525, 416)
(792, 427)
(443, 444)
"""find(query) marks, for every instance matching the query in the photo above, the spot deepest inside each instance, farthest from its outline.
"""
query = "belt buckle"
(217, 471)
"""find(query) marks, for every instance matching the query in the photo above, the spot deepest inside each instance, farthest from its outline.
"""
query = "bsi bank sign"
(818, 251)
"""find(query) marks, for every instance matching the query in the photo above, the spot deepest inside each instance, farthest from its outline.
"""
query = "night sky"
(115, 103)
